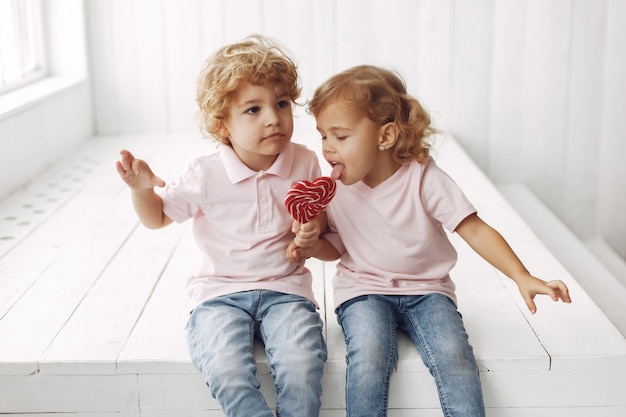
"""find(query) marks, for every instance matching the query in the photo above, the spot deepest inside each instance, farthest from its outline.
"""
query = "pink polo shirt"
(392, 236)
(240, 223)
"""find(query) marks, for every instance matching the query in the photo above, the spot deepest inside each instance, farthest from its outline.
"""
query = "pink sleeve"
(442, 198)
(333, 237)
(182, 198)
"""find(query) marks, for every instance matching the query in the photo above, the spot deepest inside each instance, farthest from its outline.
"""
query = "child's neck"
(385, 168)
(255, 161)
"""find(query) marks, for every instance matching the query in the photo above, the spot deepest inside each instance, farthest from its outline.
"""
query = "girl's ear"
(388, 135)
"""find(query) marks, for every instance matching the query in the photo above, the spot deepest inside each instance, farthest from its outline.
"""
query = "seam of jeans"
(432, 366)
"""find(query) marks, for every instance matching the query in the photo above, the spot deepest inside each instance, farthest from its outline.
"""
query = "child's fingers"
(139, 166)
(120, 169)
(560, 291)
(530, 303)
(295, 256)
(126, 159)
(157, 181)
(554, 289)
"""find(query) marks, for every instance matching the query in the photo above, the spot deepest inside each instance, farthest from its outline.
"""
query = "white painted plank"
(50, 301)
(544, 97)
(567, 332)
(238, 25)
(395, 45)
(322, 48)
(597, 388)
(212, 30)
(355, 44)
(76, 243)
(500, 334)
(50, 214)
(432, 48)
(102, 62)
(612, 177)
(123, 35)
(157, 343)
(187, 413)
(149, 56)
(469, 77)
(491, 412)
(68, 394)
(92, 339)
(182, 63)
(609, 258)
(581, 162)
(87, 414)
(581, 327)
(187, 392)
(505, 117)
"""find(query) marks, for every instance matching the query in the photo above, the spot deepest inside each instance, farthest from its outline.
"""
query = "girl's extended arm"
(321, 249)
(492, 247)
(141, 181)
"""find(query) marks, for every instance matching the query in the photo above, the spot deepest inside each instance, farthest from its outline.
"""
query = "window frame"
(35, 69)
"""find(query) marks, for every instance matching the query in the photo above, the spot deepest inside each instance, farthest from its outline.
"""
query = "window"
(21, 43)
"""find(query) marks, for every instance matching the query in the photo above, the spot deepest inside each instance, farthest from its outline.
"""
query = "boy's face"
(258, 123)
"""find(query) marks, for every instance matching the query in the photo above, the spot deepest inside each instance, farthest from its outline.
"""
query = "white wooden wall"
(535, 90)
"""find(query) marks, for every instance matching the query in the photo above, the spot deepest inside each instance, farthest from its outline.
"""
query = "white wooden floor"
(92, 307)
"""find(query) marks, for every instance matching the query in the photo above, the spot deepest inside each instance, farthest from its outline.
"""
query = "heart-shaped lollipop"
(306, 199)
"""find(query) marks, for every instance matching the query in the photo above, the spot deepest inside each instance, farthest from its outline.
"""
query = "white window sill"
(27, 96)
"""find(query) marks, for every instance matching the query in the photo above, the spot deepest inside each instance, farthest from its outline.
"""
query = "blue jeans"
(370, 325)
(220, 335)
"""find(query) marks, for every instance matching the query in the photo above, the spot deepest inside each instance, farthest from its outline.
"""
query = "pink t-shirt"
(392, 237)
(240, 222)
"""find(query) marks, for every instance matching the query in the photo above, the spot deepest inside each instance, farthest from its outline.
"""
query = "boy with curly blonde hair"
(245, 288)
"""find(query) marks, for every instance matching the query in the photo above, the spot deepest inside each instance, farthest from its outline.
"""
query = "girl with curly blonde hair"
(386, 225)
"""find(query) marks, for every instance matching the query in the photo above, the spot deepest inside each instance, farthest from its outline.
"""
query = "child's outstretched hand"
(136, 173)
(531, 286)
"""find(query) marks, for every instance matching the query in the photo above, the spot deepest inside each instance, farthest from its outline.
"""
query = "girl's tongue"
(337, 171)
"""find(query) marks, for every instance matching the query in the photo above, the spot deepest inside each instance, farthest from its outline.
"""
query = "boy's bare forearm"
(149, 208)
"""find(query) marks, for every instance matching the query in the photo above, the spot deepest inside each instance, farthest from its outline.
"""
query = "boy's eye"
(282, 104)
(253, 110)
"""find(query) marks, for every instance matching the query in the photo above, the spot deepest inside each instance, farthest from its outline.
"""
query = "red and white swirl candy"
(306, 199)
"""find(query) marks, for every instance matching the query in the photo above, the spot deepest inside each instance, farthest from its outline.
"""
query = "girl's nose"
(327, 148)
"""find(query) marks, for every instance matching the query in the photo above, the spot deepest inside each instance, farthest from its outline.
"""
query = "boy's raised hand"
(136, 173)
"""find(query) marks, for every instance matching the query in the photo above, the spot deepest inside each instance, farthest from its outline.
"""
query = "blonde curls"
(381, 96)
(257, 60)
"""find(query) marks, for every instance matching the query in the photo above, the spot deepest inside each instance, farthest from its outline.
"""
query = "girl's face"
(258, 123)
(350, 143)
